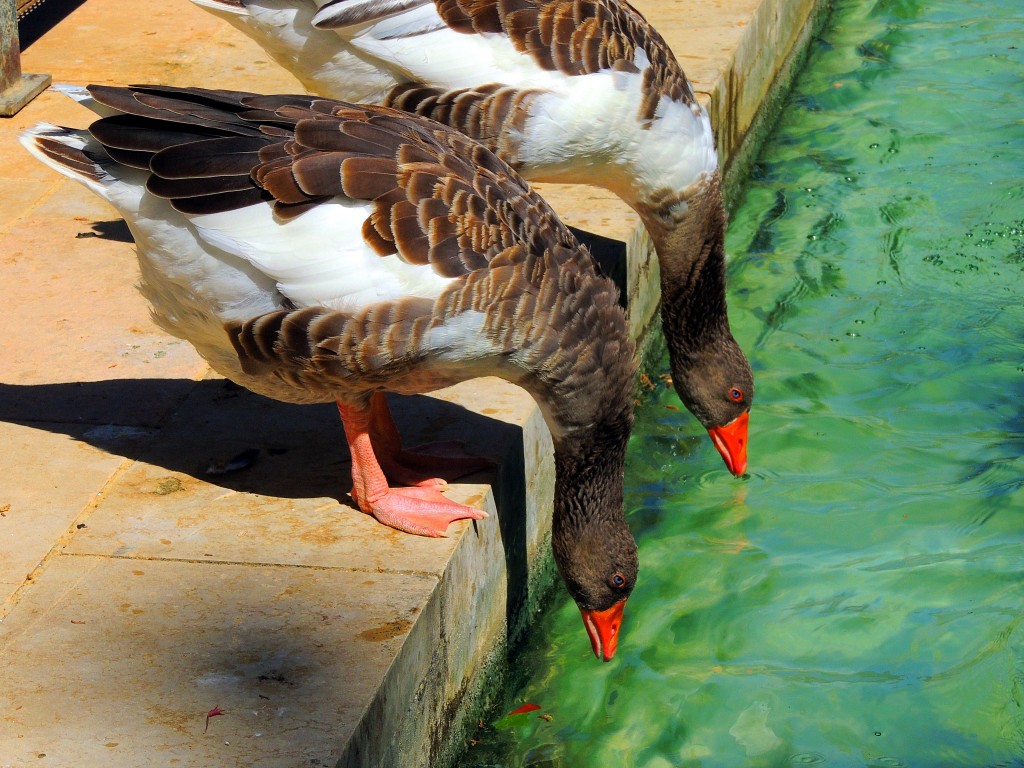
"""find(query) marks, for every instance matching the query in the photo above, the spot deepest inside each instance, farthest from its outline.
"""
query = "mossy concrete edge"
(741, 155)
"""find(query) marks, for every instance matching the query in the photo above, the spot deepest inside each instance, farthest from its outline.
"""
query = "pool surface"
(856, 600)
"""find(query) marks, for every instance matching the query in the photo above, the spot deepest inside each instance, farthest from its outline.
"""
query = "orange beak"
(731, 442)
(603, 628)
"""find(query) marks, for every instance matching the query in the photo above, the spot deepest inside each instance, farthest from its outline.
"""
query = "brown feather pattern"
(576, 37)
(439, 198)
(524, 299)
(80, 160)
(495, 115)
(204, 158)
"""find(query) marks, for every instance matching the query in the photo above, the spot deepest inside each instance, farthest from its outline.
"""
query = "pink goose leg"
(415, 466)
(423, 511)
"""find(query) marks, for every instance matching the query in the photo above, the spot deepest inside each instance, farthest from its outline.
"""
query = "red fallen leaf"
(672, 407)
(212, 713)
(546, 718)
(524, 709)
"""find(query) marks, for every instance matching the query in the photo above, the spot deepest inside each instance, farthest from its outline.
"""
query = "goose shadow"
(287, 451)
(114, 230)
(197, 428)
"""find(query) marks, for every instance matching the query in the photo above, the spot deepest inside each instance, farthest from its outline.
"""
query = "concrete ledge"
(139, 591)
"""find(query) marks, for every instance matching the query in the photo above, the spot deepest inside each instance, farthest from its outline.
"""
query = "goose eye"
(735, 394)
(618, 580)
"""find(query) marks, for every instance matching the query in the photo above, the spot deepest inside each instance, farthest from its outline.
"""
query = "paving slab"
(47, 480)
(77, 315)
(107, 41)
(130, 656)
(141, 589)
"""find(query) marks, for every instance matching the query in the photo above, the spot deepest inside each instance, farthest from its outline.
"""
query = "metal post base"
(21, 92)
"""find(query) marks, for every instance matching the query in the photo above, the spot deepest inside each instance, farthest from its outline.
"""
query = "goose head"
(710, 372)
(593, 547)
(597, 559)
(716, 385)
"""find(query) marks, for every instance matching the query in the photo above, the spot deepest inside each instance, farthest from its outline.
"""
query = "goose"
(577, 91)
(317, 251)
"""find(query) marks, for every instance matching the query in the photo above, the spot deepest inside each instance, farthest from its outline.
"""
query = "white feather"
(591, 121)
(319, 258)
(419, 44)
(462, 338)
(83, 97)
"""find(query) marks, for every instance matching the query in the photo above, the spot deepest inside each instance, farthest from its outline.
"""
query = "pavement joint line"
(65, 538)
(31, 207)
(55, 605)
(254, 564)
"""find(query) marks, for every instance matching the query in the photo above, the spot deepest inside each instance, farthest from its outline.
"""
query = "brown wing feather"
(144, 135)
(204, 157)
(577, 37)
(438, 197)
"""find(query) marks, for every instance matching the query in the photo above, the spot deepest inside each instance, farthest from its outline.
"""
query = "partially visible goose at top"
(315, 251)
(581, 91)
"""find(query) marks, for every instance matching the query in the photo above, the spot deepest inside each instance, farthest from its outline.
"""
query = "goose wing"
(551, 37)
(284, 181)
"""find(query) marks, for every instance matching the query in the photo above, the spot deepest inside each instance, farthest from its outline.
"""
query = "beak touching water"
(603, 628)
(731, 442)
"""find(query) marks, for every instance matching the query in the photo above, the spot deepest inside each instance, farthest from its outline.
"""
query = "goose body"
(316, 251)
(578, 91)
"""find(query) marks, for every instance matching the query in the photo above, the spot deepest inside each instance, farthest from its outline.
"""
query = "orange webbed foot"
(423, 511)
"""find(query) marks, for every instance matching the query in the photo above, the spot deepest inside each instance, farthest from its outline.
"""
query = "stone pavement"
(141, 584)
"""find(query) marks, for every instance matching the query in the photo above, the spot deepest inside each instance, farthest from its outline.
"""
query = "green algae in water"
(856, 600)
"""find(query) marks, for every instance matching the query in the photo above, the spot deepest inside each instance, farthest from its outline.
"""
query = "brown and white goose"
(582, 91)
(316, 251)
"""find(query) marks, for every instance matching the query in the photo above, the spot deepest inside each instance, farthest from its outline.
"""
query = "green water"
(857, 599)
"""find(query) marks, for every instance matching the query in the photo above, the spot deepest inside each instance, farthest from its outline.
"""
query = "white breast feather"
(320, 257)
(594, 119)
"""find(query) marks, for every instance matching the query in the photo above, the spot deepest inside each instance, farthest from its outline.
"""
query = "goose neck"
(691, 256)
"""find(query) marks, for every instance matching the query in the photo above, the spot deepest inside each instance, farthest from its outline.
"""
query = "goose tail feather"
(77, 155)
(81, 94)
(70, 152)
(221, 7)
